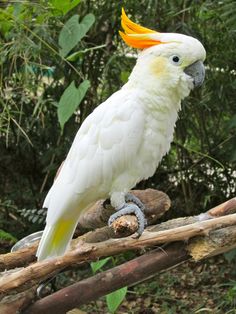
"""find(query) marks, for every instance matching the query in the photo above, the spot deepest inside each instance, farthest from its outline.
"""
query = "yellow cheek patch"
(158, 66)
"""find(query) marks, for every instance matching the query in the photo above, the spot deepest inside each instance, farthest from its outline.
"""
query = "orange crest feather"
(135, 35)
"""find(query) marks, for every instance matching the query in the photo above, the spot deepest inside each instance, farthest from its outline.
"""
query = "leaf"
(124, 76)
(68, 37)
(7, 236)
(70, 100)
(64, 6)
(6, 22)
(73, 31)
(115, 298)
(99, 264)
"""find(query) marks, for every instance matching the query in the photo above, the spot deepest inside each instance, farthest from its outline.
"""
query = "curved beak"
(197, 72)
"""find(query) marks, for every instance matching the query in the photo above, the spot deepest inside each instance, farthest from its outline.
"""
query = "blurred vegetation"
(37, 67)
(35, 71)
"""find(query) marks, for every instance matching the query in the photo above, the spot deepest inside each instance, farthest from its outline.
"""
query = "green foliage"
(115, 298)
(70, 100)
(99, 264)
(35, 216)
(72, 32)
(228, 301)
(7, 236)
(124, 76)
(231, 296)
(64, 6)
(34, 76)
(33, 80)
(228, 14)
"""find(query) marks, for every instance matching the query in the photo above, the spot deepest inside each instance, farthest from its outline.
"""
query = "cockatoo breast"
(160, 114)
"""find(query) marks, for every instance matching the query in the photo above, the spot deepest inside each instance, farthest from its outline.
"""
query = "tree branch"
(103, 283)
(156, 204)
(206, 236)
(134, 271)
(81, 251)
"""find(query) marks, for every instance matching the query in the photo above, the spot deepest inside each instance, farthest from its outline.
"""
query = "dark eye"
(175, 60)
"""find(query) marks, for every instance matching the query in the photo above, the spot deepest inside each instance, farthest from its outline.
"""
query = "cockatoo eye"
(176, 60)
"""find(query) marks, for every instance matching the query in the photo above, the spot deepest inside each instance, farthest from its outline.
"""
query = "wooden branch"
(155, 201)
(217, 242)
(15, 303)
(226, 208)
(81, 251)
(19, 258)
(127, 274)
(90, 246)
(135, 271)
(156, 204)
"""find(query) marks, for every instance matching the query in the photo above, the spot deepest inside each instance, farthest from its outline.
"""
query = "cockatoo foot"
(136, 208)
(133, 199)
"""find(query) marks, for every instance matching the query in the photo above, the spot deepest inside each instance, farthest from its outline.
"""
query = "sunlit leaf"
(115, 298)
(124, 75)
(7, 236)
(64, 6)
(99, 264)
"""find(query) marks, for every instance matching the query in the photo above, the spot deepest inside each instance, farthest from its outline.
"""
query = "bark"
(135, 271)
(81, 251)
(19, 258)
(14, 304)
(217, 242)
(225, 208)
(208, 234)
(103, 283)
(156, 204)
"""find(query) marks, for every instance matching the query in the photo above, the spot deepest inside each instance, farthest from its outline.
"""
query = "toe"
(130, 209)
(132, 198)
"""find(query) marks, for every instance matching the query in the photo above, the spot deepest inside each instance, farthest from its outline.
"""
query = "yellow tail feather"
(55, 239)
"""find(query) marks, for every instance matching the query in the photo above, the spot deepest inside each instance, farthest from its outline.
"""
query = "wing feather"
(104, 147)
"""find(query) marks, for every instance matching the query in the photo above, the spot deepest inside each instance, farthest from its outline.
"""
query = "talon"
(127, 210)
(132, 198)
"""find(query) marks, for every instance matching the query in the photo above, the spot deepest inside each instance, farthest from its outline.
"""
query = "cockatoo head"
(169, 58)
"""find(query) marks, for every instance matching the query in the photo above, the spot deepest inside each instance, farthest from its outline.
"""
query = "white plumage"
(123, 140)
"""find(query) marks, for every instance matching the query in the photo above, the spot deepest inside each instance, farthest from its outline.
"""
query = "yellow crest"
(135, 35)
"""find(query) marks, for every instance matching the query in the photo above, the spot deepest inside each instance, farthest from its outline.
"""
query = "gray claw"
(127, 210)
(131, 198)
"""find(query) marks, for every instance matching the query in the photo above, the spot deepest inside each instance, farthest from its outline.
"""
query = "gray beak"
(197, 72)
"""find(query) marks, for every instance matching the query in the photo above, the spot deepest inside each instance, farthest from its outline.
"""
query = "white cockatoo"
(124, 139)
